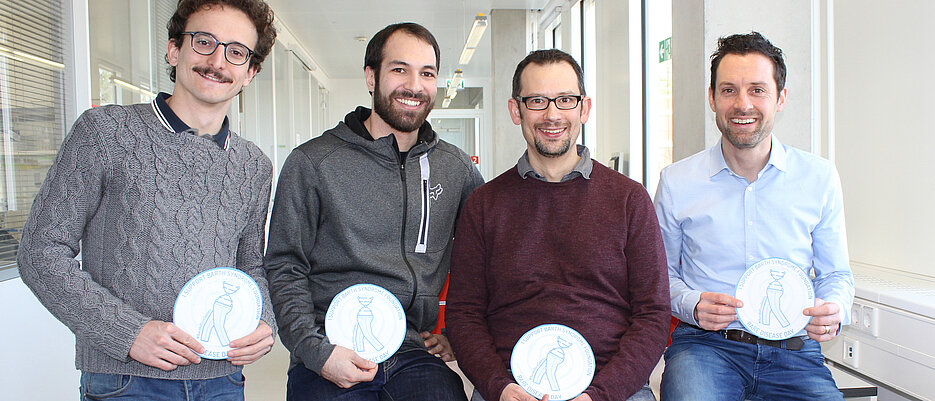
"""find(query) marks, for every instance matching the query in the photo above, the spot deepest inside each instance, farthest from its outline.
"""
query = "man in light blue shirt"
(746, 199)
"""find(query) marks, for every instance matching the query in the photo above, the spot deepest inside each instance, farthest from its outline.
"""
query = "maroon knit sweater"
(585, 253)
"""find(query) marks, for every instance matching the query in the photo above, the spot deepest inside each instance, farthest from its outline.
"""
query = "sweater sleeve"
(467, 303)
(293, 229)
(67, 200)
(250, 248)
(647, 277)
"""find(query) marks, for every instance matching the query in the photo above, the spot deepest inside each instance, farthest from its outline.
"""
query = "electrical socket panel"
(869, 320)
(856, 312)
(851, 352)
(865, 318)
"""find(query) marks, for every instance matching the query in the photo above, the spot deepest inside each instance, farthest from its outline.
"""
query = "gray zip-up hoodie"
(349, 211)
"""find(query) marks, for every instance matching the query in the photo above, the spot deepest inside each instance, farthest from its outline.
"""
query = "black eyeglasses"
(205, 44)
(564, 102)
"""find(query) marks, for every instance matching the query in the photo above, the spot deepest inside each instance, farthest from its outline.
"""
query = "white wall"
(345, 95)
(883, 64)
(38, 350)
(786, 23)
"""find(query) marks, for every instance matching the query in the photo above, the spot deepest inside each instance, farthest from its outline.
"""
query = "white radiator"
(891, 338)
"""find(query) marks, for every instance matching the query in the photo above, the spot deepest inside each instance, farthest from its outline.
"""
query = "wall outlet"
(869, 320)
(856, 311)
(850, 356)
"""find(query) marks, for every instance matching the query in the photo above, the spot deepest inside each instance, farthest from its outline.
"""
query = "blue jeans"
(702, 365)
(643, 394)
(410, 375)
(101, 386)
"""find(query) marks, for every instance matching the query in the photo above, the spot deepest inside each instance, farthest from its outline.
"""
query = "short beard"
(400, 120)
(735, 140)
(544, 151)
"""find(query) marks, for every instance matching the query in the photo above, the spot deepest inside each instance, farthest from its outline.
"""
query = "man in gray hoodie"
(373, 200)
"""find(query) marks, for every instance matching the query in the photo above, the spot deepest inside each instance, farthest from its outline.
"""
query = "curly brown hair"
(257, 10)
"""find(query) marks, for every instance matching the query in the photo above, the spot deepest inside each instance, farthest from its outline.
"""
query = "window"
(32, 110)
(128, 41)
(657, 64)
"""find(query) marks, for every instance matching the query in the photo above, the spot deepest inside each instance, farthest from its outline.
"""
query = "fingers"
(822, 308)
(822, 332)
(164, 346)
(251, 353)
(251, 347)
(183, 344)
(362, 363)
(715, 311)
(262, 331)
(437, 349)
(345, 368)
(720, 298)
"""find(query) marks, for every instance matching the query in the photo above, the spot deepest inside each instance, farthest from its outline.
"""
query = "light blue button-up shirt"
(716, 224)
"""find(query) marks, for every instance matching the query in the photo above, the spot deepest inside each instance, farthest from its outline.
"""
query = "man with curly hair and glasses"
(151, 195)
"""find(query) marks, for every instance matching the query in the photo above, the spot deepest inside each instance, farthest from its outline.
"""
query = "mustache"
(212, 72)
(548, 125)
(742, 115)
(422, 97)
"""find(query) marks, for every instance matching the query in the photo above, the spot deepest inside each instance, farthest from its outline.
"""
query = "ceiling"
(327, 29)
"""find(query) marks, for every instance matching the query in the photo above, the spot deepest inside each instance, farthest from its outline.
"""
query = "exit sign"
(665, 50)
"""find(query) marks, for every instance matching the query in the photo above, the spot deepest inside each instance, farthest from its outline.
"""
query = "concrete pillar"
(508, 46)
(613, 81)
(696, 26)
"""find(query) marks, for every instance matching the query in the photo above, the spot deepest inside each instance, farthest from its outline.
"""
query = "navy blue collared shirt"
(173, 123)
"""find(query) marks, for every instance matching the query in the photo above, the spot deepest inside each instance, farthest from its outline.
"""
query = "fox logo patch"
(435, 191)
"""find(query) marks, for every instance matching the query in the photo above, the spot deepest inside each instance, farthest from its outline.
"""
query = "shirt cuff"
(687, 307)
(842, 315)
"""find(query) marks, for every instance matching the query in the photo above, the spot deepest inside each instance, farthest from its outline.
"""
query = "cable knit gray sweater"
(148, 209)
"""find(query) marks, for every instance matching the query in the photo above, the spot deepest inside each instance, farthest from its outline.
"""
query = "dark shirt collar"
(582, 168)
(173, 123)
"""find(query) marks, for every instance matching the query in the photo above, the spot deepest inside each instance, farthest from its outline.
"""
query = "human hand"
(714, 311)
(345, 368)
(826, 320)
(582, 397)
(251, 347)
(513, 392)
(438, 345)
(165, 346)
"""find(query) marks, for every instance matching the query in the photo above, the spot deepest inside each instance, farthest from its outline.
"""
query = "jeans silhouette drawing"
(363, 329)
(548, 366)
(771, 305)
(217, 316)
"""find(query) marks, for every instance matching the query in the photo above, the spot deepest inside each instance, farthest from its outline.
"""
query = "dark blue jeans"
(411, 375)
(100, 386)
(702, 365)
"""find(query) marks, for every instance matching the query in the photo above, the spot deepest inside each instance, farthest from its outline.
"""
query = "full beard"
(401, 120)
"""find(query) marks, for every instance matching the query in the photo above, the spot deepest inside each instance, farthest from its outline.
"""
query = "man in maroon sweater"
(558, 239)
